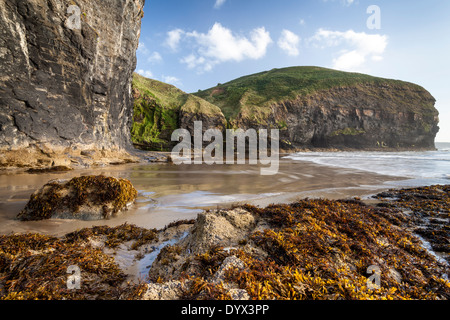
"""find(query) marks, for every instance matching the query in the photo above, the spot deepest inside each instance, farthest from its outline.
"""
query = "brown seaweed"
(79, 191)
(322, 249)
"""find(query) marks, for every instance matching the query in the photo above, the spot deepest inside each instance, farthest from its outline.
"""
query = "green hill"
(313, 108)
(254, 93)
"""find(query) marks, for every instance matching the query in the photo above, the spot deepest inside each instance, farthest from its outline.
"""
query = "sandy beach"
(169, 192)
(203, 221)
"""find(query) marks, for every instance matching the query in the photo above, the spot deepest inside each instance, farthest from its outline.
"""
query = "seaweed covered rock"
(85, 197)
(311, 249)
(35, 267)
(428, 213)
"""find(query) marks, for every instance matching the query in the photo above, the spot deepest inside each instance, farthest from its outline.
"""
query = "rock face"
(66, 87)
(359, 117)
(84, 198)
(197, 109)
(323, 108)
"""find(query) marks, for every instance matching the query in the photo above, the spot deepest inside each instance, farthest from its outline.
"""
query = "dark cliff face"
(360, 117)
(65, 87)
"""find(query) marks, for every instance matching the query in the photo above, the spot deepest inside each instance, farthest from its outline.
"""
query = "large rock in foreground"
(86, 198)
(65, 89)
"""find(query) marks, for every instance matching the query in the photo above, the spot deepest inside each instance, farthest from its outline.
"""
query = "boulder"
(85, 198)
(219, 228)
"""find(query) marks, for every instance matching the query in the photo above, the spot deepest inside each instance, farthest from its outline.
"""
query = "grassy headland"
(258, 91)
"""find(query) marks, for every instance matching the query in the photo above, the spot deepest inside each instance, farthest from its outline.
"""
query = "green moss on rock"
(348, 132)
(160, 109)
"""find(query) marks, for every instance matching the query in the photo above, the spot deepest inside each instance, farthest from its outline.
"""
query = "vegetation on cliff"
(263, 89)
(160, 108)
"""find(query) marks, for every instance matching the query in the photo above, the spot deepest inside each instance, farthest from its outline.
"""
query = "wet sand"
(168, 192)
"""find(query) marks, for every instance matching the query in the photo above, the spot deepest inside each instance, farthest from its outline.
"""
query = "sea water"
(419, 168)
(167, 193)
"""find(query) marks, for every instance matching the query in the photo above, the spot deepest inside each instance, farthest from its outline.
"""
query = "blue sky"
(195, 44)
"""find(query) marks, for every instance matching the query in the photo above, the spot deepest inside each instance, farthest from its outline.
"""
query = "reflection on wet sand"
(169, 192)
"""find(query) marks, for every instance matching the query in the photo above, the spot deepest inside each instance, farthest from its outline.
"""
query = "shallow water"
(168, 192)
(143, 265)
(427, 167)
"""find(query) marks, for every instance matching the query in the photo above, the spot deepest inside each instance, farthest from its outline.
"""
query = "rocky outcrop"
(322, 108)
(84, 198)
(197, 109)
(66, 87)
(360, 117)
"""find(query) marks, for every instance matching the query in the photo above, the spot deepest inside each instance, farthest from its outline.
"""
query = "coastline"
(192, 231)
(168, 192)
(216, 255)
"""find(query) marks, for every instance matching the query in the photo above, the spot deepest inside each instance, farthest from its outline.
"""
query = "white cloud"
(289, 42)
(142, 48)
(154, 57)
(360, 47)
(377, 58)
(302, 22)
(145, 73)
(219, 45)
(172, 80)
(192, 61)
(346, 3)
(349, 61)
(173, 38)
(144, 53)
(219, 3)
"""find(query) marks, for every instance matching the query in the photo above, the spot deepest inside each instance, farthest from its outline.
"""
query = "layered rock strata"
(65, 80)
